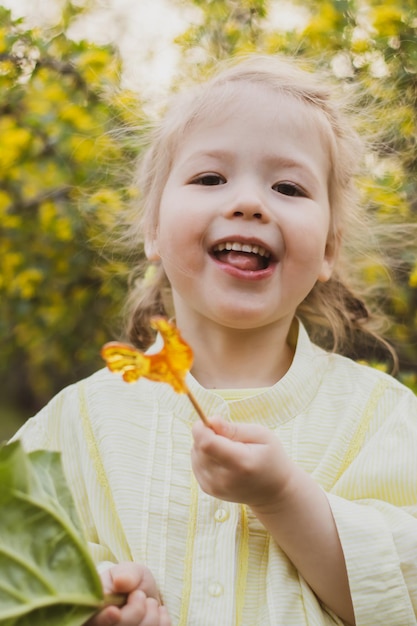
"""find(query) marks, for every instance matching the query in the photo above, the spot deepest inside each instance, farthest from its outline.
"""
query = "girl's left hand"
(143, 603)
(243, 463)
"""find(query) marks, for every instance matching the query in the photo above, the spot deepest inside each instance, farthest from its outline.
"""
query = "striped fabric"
(126, 452)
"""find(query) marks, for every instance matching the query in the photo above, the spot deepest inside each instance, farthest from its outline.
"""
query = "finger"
(109, 616)
(135, 610)
(127, 577)
(151, 617)
(210, 447)
(241, 433)
(164, 618)
(107, 581)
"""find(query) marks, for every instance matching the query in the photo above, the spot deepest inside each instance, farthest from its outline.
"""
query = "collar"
(274, 405)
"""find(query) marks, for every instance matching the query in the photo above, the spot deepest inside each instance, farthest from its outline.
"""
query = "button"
(215, 590)
(221, 515)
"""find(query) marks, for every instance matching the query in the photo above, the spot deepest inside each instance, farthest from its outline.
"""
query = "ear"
(329, 259)
(151, 249)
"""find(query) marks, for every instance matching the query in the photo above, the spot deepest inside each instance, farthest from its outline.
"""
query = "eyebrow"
(213, 154)
(270, 159)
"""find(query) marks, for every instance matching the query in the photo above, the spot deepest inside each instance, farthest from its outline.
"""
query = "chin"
(242, 319)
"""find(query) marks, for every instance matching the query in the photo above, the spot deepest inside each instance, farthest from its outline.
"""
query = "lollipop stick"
(198, 408)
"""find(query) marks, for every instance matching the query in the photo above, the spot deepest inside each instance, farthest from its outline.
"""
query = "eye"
(209, 180)
(289, 189)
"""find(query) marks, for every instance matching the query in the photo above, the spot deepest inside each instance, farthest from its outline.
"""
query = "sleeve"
(374, 504)
(58, 427)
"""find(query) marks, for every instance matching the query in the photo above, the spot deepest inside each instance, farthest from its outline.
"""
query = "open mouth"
(243, 256)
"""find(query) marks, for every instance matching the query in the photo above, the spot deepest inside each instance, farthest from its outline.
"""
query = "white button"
(221, 515)
(215, 590)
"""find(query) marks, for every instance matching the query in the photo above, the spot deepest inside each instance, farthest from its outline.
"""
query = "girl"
(299, 505)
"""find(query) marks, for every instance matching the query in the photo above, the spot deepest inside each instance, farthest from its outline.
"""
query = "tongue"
(242, 260)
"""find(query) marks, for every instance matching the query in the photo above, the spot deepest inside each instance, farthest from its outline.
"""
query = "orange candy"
(170, 365)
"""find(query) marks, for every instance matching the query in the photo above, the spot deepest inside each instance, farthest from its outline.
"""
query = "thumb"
(223, 428)
(244, 433)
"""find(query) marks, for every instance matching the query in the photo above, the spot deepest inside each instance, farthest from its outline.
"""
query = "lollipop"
(170, 365)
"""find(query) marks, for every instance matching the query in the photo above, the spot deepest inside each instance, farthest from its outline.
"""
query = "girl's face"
(244, 215)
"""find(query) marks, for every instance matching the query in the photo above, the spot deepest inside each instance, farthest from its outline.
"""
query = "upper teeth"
(242, 247)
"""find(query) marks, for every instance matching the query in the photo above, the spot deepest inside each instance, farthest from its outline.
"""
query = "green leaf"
(47, 576)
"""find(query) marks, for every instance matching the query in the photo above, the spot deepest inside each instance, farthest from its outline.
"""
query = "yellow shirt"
(126, 453)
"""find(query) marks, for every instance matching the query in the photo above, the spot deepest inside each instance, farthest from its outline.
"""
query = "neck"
(227, 358)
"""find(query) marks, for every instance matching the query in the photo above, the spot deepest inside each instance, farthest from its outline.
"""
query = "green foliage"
(47, 576)
(60, 189)
(229, 27)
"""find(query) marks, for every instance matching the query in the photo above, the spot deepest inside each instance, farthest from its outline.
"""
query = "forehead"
(256, 104)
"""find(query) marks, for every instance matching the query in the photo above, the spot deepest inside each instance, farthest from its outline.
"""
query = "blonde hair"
(334, 311)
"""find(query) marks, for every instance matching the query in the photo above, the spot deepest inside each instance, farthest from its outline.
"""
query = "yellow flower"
(5, 202)
(63, 230)
(77, 116)
(11, 261)
(3, 40)
(26, 282)
(14, 140)
(325, 21)
(412, 281)
(94, 62)
(47, 214)
(83, 148)
(387, 20)
(11, 222)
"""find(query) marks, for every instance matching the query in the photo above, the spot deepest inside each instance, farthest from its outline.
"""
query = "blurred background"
(78, 81)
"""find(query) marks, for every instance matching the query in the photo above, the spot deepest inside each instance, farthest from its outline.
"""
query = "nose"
(249, 204)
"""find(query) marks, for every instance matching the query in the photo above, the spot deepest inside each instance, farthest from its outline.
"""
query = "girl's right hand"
(143, 604)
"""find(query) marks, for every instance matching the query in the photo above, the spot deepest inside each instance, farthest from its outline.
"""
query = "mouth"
(248, 257)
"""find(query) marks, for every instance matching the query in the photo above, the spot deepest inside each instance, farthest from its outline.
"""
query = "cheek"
(179, 250)
(308, 241)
